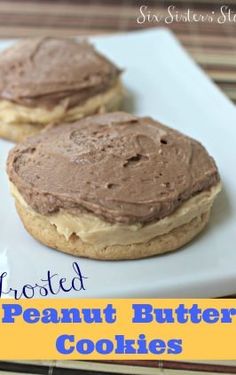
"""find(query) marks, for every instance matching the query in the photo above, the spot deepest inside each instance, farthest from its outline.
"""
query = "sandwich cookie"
(113, 186)
(48, 80)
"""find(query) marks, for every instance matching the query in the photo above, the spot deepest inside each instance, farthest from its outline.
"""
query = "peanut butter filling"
(12, 113)
(92, 230)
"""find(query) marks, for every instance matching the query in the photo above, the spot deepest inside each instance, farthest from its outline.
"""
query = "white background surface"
(164, 83)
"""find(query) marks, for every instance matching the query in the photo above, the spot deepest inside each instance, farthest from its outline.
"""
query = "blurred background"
(211, 44)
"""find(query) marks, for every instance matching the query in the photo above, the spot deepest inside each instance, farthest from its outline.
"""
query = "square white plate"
(166, 84)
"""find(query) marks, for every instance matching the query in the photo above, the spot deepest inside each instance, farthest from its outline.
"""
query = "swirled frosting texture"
(42, 72)
(117, 166)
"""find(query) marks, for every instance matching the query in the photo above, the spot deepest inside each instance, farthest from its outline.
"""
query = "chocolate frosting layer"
(117, 166)
(42, 72)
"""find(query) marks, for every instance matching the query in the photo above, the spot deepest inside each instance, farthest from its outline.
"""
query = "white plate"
(166, 84)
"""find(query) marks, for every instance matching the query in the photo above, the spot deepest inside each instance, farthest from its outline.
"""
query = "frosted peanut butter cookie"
(113, 186)
(48, 80)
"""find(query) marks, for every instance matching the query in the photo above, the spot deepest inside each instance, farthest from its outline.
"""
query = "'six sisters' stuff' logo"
(224, 15)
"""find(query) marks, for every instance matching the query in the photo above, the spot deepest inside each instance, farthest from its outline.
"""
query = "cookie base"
(47, 234)
(105, 102)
